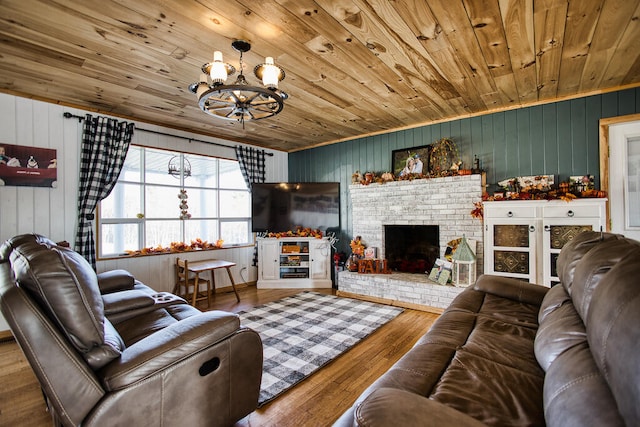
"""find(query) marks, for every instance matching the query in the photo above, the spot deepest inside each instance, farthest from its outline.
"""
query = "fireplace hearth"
(411, 248)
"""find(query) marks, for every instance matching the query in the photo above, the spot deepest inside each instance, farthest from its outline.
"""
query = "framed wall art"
(414, 160)
(28, 166)
(578, 184)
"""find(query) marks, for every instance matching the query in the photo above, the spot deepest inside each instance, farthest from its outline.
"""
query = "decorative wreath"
(444, 156)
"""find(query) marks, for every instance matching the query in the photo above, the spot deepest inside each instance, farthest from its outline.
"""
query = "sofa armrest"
(114, 281)
(169, 346)
(125, 305)
(390, 406)
(118, 302)
(513, 289)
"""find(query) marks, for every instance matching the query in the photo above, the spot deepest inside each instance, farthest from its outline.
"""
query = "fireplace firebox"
(411, 248)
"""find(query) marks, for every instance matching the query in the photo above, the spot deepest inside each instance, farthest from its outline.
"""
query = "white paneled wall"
(52, 211)
(49, 211)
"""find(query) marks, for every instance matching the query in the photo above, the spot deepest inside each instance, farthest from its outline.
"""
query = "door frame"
(604, 154)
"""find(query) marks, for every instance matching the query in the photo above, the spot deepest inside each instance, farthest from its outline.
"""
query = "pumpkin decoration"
(387, 176)
(368, 177)
(563, 187)
(594, 194)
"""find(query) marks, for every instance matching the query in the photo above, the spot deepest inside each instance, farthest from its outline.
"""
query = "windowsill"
(170, 252)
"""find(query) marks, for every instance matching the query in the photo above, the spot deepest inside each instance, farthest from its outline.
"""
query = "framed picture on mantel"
(413, 160)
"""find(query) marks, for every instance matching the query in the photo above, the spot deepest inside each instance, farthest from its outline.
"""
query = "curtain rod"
(68, 115)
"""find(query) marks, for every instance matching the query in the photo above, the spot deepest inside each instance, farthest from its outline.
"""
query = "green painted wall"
(555, 139)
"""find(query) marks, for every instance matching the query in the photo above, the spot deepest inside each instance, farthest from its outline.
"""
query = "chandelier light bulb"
(270, 73)
(218, 71)
(203, 86)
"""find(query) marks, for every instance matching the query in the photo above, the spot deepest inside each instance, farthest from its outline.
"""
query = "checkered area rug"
(304, 332)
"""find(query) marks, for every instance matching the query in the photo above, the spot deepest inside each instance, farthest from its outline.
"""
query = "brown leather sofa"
(108, 350)
(509, 353)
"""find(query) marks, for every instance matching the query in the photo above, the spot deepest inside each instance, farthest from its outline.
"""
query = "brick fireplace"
(443, 202)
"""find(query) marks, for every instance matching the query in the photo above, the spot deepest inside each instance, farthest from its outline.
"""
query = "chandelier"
(239, 101)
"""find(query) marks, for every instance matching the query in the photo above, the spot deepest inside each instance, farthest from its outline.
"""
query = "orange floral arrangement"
(196, 245)
(357, 247)
(299, 232)
(478, 210)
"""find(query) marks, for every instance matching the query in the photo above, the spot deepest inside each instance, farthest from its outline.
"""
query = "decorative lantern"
(464, 265)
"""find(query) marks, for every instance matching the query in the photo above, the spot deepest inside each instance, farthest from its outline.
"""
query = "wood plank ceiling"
(353, 67)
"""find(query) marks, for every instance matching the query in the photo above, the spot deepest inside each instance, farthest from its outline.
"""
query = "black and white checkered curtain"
(253, 169)
(252, 164)
(105, 143)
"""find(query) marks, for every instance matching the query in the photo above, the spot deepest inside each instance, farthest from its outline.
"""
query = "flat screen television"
(278, 207)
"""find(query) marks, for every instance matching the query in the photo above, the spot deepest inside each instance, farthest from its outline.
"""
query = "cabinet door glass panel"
(515, 236)
(562, 234)
(554, 265)
(511, 262)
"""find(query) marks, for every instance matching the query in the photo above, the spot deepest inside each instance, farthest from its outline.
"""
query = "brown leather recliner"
(108, 350)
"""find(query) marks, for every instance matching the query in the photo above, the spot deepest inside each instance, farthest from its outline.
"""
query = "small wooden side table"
(211, 265)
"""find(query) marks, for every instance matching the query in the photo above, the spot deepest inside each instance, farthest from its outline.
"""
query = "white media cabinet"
(294, 262)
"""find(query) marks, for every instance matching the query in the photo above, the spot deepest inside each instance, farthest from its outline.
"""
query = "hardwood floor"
(317, 401)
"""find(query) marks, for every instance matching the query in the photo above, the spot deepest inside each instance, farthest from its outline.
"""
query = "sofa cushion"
(573, 252)
(613, 330)
(65, 286)
(389, 406)
(560, 327)
(8, 246)
(493, 374)
(592, 271)
(147, 322)
(588, 340)
(477, 358)
(510, 288)
(576, 394)
(491, 392)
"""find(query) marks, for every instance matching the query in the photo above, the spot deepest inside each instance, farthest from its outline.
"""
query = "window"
(144, 209)
(632, 184)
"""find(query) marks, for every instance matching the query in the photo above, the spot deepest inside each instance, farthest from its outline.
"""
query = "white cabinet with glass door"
(524, 238)
(510, 240)
(561, 222)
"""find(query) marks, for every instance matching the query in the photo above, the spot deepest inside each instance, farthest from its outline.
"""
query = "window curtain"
(105, 143)
(252, 165)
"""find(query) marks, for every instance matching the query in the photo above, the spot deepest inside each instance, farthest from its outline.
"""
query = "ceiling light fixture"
(239, 101)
